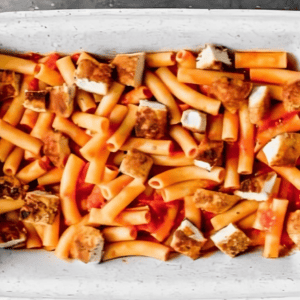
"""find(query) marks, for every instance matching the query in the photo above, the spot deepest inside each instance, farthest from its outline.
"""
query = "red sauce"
(33, 85)
(95, 199)
(51, 61)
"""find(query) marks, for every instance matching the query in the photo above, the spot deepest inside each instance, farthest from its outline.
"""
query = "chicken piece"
(214, 202)
(209, 154)
(61, 100)
(87, 244)
(12, 234)
(151, 120)
(136, 164)
(259, 103)
(36, 100)
(92, 77)
(258, 188)
(11, 188)
(56, 147)
(194, 120)
(40, 207)
(130, 68)
(9, 84)
(291, 96)
(231, 240)
(188, 239)
(213, 57)
(231, 92)
(293, 227)
(283, 150)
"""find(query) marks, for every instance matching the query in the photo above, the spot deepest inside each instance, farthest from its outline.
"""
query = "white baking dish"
(38, 274)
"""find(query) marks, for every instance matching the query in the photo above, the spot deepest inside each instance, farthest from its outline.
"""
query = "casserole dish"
(39, 274)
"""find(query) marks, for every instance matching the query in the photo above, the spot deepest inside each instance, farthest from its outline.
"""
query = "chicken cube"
(231, 92)
(36, 100)
(293, 227)
(194, 120)
(231, 240)
(9, 84)
(12, 234)
(136, 164)
(61, 100)
(56, 147)
(209, 154)
(130, 68)
(258, 188)
(213, 57)
(40, 207)
(259, 103)
(151, 120)
(283, 150)
(188, 239)
(214, 202)
(87, 244)
(291, 96)
(92, 77)
(11, 188)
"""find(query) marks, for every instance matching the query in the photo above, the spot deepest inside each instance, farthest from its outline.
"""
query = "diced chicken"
(231, 240)
(40, 207)
(136, 164)
(130, 68)
(283, 150)
(151, 120)
(61, 100)
(293, 227)
(188, 239)
(87, 244)
(12, 235)
(9, 84)
(259, 103)
(56, 147)
(258, 188)
(92, 77)
(214, 202)
(194, 120)
(291, 96)
(36, 100)
(209, 154)
(11, 188)
(231, 92)
(213, 57)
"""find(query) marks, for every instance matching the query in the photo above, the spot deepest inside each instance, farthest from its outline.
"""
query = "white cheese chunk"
(202, 164)
(211, 55)
(100, 88)
(152, 104)
(194, 120)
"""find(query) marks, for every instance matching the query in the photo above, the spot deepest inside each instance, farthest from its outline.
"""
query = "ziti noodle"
(150, 153)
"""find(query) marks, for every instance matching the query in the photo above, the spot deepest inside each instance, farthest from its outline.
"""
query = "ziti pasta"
(150, 153)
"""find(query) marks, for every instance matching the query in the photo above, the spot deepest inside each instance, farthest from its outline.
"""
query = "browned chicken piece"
(11, 188)
(231, 92)
(293, 227)
(231, 240)
(283, 150)
(259, 103)
(40, 207)
(136, 164)
(130, 68)
(56, 147)
(188, 240)
(61, 100)
(36, 100)
(291, 96)
(209, 154)
(87, 244)
(12, 234)
(92, 77)
(214, 202)
(151, 120)
(9, 84)
(258, 188)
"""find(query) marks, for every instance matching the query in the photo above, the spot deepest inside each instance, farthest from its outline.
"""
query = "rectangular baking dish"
(38, 274)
